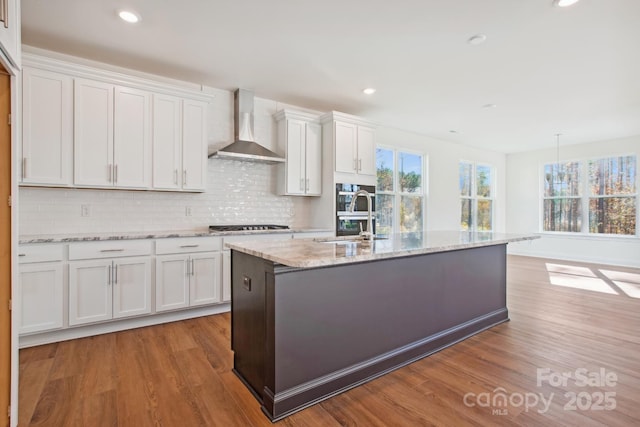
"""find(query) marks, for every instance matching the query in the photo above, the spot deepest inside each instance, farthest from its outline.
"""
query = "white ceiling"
(548, 70)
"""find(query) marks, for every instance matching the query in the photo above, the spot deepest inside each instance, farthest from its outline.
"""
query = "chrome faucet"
(368, 234)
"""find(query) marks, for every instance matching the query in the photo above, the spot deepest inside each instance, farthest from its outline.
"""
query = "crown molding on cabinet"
(108, 76)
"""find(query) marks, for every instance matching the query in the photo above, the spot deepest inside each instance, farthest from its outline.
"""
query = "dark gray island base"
(301, 335)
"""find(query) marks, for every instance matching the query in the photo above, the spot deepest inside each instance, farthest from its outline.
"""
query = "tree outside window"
(399, 191)
(476, 196)
(604, 188)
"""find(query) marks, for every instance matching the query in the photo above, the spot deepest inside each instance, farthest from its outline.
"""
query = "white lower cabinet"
(109, 289)
(109, 280)
(226, 275)
(40, 287)
(186, 277)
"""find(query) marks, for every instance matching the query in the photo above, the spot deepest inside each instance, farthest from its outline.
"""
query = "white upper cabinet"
(354, 145)
(167, 142)
(10, 31)
(100, 133)
(300, 137)
(93, 133)
(179, 144)
(112, 144)
(366, 148)
(47, 128)
(346, 141)
(132, 138)
(194, 145)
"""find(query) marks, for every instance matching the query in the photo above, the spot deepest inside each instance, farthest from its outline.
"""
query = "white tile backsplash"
(237, 192)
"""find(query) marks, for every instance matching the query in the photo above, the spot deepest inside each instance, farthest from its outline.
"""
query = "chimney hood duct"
(244, 147)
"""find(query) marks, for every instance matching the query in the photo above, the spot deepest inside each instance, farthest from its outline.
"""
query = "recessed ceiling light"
(369, 91)
(564, 3)
(489, 106)
(477, 39)
(129, 16)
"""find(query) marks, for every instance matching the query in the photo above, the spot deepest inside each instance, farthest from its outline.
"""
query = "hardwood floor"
(179, 374)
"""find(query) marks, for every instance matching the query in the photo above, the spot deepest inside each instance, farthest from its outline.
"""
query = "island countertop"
(307, 253)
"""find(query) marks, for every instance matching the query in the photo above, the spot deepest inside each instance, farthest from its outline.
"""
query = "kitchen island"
(314, 317)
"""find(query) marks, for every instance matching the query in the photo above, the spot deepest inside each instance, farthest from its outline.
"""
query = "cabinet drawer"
(188, 245)
(109, 249)
(40, 253)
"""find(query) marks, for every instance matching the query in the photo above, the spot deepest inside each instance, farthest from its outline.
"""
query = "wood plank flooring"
(179, 374)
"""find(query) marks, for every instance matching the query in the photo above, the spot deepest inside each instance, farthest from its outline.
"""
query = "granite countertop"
(305, 253)
(133, 235)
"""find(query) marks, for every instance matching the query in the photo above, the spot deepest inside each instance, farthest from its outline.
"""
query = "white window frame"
(397, 195)
(474, 195)
(585, 197)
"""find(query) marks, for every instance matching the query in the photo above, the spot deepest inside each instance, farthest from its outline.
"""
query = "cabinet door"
(226, 276)
(90, 296)
(313, 160)
(132, 139)
(93, 133)
(172, 282)
(47, 127)
(40, 290)
(295, 157)
(366, 151)
(10, 31)
(205, 279)
(194, 145)
(131, 287)
(345, 147)
(167, 142)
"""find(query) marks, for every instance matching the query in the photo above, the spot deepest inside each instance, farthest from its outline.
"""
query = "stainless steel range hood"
(245, 147)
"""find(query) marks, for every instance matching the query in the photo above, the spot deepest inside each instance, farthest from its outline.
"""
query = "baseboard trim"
(280, 405)
(119, 325)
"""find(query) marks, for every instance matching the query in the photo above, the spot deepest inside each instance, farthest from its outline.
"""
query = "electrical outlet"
(187, 211)
(85, 210)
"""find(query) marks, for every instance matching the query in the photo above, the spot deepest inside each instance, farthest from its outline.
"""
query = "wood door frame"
(6, 267)
(6, 67)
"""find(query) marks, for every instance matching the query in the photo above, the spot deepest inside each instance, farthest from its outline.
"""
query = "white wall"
(524, 207)
(443, 198)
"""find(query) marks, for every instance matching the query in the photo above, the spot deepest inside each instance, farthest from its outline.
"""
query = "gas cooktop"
(247, 227)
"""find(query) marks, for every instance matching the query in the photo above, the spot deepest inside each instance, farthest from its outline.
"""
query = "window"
(562, 201)
(476, 196)
(603, 188)
(399, 191)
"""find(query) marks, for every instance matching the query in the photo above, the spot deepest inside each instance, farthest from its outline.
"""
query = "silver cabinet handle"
(188, 267)
(355, 164)
(24, 167)
(112, 250)
(22, 254)
(307, 186)
(189, 246)
(115, 174)
(175, 176)
(359, 164)
(184, 177)
(193, 270)
(109, 281)
(110, 171)
(115, 275)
